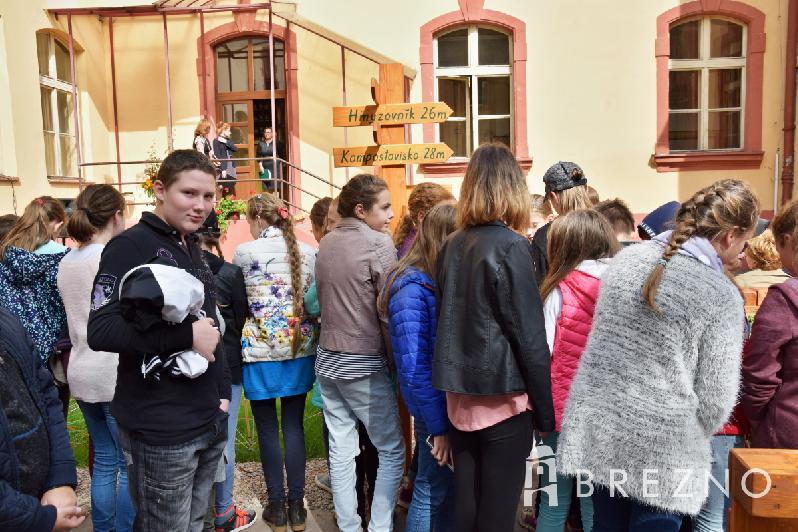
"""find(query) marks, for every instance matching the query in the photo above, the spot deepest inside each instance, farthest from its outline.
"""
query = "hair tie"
(662, 262)
(39, 201)
(86, 210)
(283, 212)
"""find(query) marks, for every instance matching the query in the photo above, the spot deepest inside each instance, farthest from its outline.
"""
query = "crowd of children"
(503, 321)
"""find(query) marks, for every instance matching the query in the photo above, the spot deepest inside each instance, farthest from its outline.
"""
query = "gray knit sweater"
(652, 389)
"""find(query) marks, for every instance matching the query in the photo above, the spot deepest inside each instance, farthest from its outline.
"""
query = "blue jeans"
(621, 514)
(554, 509)
(431, 508)
(371, 400)
(111, 507)
(714, 515)
(224, 489)
(171, 484)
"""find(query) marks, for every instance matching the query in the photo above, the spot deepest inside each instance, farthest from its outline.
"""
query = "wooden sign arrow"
(391, 154)
(391, 113)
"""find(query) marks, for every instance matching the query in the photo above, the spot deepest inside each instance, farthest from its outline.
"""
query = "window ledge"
(9, 179)
(457, 168)
(707, 160)
(60, 180)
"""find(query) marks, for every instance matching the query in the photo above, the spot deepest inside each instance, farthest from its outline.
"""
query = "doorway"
(244, 98)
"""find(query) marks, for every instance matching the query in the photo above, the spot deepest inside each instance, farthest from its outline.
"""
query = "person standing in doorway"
(268, 168)
(224, 148)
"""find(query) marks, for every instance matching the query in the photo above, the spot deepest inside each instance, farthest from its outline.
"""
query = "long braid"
(704, 213)
(297, 290)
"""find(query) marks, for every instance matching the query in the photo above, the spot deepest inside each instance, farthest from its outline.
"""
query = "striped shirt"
(346, 366)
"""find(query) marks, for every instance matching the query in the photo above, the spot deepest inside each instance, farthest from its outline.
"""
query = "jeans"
(489, 468)
(111, 507)
(171, 484)
(621, 514)
(554, 510)
(292, 410)
(371, 400)
(224, 489)
(714, 515)
(431, 508)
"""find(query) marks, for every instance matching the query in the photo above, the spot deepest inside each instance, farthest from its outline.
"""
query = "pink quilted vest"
(579, 294)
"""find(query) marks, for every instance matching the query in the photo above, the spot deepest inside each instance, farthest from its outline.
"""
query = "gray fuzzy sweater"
(652, 389)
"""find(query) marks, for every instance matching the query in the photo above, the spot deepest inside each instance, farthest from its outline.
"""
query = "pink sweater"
(470, 413)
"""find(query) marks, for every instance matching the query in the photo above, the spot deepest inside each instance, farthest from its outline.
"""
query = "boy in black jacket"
(37, 470)
(172, 429)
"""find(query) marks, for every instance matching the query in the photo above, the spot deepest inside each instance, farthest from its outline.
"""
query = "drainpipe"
(787, 170)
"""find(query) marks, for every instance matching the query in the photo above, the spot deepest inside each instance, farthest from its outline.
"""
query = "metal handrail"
(273, 159)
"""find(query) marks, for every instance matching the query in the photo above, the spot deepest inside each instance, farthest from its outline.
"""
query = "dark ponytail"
(94, 209)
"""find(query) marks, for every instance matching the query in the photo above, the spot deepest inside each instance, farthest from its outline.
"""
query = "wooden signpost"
(390, 154)
(392, 113)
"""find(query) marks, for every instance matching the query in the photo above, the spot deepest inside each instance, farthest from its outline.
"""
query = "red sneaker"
(239, 520)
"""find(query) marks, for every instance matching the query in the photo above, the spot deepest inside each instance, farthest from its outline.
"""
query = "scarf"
(697, 247)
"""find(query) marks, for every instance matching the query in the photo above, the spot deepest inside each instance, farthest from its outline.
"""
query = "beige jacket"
(351, 266)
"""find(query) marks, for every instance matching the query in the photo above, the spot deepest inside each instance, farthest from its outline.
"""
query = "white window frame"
(704, 64)
(471, 73)
(51, 82)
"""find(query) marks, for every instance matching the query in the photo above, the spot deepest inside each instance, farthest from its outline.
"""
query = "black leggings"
(292, 410)
(489, 474)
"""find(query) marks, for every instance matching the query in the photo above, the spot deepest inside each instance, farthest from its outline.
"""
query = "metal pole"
(202, 66)
(776, 184)
(75, 109)
(113, 95)
(343, 98)
(169, 140)
(271, 94)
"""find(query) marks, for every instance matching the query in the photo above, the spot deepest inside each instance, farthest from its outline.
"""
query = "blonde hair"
(202, 128)
(575, 237)
(221, 126)
(573, 198)
(32, 230)
(761, 251)
(423, 198)
(494, 188)
(725, 206)
(423, 254)
(273, 211)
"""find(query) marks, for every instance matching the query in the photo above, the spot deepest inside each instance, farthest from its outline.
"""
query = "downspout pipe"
(788, 167)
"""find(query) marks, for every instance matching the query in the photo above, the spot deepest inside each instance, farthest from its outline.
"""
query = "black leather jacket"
(491, 337)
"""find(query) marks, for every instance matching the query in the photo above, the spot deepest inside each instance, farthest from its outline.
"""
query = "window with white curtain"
(56, 85)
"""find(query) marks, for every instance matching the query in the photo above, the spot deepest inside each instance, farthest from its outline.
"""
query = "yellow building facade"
(653, 99)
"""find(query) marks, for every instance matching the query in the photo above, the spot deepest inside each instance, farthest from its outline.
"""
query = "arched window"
(473, 75)
(706, 84)
(56, 85)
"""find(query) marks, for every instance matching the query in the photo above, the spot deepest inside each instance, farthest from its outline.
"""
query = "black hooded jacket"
(231, 296)
(172, 410)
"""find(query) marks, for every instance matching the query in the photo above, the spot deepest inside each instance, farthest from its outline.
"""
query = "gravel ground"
(249, 487)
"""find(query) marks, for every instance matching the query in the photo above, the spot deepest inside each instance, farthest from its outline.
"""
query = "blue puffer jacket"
(18, 511)
(28, 289)
(413, 318)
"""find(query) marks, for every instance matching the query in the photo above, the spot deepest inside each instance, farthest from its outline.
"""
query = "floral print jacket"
(269, 329)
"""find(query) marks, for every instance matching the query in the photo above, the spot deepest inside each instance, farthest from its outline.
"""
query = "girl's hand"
(441, 449)
(68, 517)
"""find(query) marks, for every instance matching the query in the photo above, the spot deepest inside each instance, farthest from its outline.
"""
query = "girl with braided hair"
(278, 350)
(660, 373)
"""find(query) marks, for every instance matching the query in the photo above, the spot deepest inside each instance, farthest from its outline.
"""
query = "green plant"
(227, 208)
(151, 171)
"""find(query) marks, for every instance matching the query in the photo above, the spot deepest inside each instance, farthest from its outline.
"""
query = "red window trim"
(751, 155)
(471, 12)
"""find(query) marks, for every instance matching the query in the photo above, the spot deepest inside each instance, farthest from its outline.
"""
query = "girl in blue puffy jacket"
(409, 302)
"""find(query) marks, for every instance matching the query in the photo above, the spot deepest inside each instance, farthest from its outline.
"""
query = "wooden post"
(391, 89)
(764, 490)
